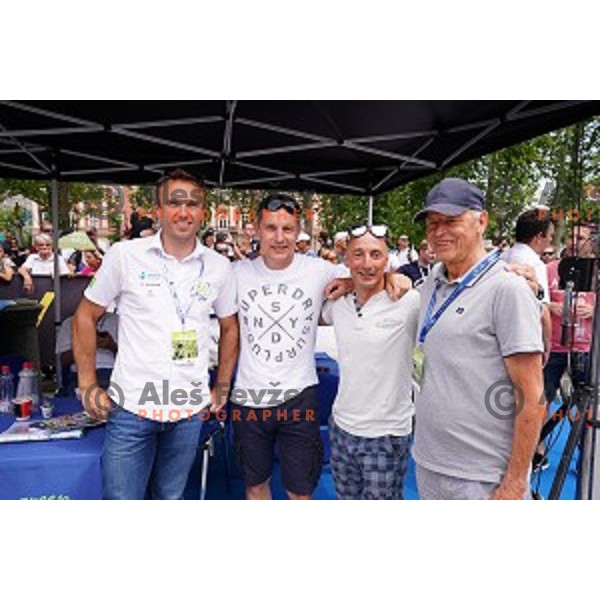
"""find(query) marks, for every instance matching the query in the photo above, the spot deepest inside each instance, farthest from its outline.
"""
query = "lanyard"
(181, 313)
(431, 319)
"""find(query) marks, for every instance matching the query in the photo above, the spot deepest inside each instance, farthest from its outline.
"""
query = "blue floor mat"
(220, 489)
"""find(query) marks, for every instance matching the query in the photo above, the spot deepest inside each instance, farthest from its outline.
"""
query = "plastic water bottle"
(7, 390)
(28, 385)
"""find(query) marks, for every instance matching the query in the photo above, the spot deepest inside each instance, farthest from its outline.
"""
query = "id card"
(418, 365)
(184, 347)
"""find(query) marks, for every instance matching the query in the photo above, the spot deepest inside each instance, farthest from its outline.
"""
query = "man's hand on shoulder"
(338, 287)
(396, 285)
(528, 272)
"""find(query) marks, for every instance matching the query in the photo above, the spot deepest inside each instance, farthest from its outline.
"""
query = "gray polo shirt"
(496, 316)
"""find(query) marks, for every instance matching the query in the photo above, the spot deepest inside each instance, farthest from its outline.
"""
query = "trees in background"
(560, 170)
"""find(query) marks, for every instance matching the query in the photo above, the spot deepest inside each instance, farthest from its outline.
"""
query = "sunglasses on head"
(379, 231)
(277, 202)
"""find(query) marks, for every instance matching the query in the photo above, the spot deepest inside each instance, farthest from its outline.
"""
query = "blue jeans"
(141, 456)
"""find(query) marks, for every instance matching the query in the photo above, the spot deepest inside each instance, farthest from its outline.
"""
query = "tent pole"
(370, 217)
(57, 302)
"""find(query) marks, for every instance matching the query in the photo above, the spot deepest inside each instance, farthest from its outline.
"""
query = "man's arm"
(525, 372)
(7, 273)
(546, 332)
(27, 280)
(229, 345)
(95, 401)
(396, 285)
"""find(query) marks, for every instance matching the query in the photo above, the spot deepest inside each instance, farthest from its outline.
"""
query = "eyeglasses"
(379, 231)
(547, 253)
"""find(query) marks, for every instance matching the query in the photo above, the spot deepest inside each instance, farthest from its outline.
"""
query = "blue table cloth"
(55, 469)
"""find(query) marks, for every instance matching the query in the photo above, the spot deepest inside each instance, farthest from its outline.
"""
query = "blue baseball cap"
(452, 196)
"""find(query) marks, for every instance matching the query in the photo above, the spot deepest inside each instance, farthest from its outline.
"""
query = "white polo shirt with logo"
(279, 313)
(136, 275)
(375, 347)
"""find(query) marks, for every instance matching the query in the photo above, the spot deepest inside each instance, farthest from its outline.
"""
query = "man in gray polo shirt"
(478, 412)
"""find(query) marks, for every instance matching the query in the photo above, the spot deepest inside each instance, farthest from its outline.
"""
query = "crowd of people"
(424, 335)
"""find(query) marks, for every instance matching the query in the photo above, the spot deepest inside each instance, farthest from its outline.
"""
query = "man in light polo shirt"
(165, 287)
(478, 412)
(371, 422)
(41, 263)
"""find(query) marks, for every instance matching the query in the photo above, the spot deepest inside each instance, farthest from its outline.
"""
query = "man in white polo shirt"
(41, 263)
(371, 422)
(165, 287)
(478, 412)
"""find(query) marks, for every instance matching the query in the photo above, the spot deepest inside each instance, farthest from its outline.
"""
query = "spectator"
(404, 253)
(93, 261)
(340, 241)
(41, 263)
(7, 266)
(208, 238)
(103, 245)
(13, 251)
(329, 255)
(140, 226)
(250, 231)
(419, 269)
(580, 338)
(534, 231)
(224, 249)
(549, 255)
(303, 244)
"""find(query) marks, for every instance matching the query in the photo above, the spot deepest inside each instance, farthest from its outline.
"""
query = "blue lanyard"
(181, 313)
(431, 319)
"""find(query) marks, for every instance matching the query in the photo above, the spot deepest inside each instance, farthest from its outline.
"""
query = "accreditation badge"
(418, 357)
(184, 347)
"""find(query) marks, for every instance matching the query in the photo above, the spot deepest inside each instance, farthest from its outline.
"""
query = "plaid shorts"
(368, 468)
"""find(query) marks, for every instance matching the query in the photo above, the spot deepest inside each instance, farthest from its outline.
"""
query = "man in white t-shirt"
(165, 288)
(41, 263)
(371, 422)
(534, 231)
(280, 295)
(403, 254)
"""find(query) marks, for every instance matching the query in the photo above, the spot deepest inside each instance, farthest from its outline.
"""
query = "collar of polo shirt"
(156, 245)
(440, 274)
